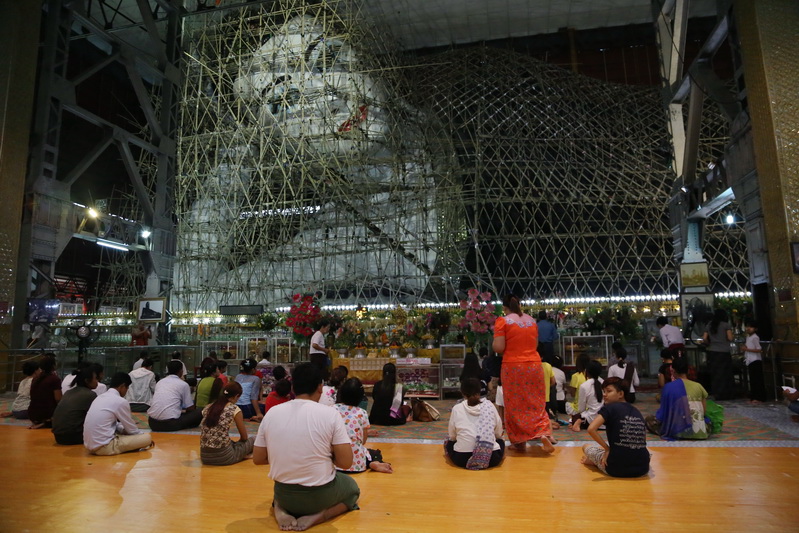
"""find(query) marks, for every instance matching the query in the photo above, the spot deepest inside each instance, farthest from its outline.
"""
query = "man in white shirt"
(671, 336)
(109, 412)
(176, 357)
(142, 388)
(172, 407)
(304, 442)
(318, 352)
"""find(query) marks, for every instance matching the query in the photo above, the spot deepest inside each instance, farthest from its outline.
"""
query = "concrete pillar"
(769, 35)
(19, 39)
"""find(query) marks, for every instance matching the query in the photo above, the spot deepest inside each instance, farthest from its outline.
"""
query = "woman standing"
(216, 448)
(717, 338)
(516, 337)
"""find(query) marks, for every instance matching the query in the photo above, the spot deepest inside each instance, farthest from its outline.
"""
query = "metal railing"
(113, 358)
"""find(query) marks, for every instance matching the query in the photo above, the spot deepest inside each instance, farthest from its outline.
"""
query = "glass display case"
(595, 346)
(420, 381)
(451, 376)
(285, 351)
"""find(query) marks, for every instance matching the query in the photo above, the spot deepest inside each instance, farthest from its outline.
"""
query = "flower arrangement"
(267, 321)
(303, 313)
(478, 319)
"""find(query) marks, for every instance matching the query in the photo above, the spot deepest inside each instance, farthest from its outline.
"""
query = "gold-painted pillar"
(19, 39)
(769, 34)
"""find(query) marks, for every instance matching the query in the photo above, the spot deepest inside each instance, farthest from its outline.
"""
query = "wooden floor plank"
(53, 488)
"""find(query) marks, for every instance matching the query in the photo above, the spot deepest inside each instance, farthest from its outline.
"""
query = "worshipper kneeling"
(475, 429)
(625, 453)
(109, 428)
(304, 442)
(70, 412)
(682, 407)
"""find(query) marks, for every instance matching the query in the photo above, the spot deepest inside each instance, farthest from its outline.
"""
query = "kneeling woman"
(216, 448)
(474, 431)
(625, 453)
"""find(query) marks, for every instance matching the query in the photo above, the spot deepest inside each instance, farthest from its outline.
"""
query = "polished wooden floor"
(51, 488)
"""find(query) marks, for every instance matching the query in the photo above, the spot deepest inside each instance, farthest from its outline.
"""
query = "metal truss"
(312, 159)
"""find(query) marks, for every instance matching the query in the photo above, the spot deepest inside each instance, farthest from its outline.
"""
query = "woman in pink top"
(516, 336)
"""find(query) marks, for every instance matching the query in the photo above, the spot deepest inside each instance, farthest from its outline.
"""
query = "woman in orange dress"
(516, 336)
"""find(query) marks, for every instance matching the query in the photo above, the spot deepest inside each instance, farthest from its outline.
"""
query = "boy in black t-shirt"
(625, 453)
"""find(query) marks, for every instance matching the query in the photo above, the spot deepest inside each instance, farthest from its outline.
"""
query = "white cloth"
(588, 406)
(500, 399)
(752, 341)
(615, 372)
(102, 388)
(671, 335)
(560, 382)
(463, 425)
(319, 339)
(328, 396)
(263, 363)
(67, 382)
(142, 387)
(137, 364)
(171, 396)
(107, 413)
(299, 436)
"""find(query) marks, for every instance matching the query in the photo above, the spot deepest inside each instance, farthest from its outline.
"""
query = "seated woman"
(682, 407)
(389, 408)
(249, 403)
(471, 369)
(475, 431)
(216, 448)
(350, 394)
(209, 386)
(589, 397)
(625, 453)
(45, 394)
(624, 370)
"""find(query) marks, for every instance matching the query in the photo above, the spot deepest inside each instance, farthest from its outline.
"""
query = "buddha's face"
(305, 88)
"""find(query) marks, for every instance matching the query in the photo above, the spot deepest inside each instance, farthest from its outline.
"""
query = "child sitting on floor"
(589, 397)
(19, 409)
(356, 421)
(280, 394)
(625, 453)
(329, 391)
(474, 431)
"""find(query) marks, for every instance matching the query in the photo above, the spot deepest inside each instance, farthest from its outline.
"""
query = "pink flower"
(464, 304)
(475, 304)
(486, 296)
(472, 293)
(490, 308)
(463, 323)
(470, 315)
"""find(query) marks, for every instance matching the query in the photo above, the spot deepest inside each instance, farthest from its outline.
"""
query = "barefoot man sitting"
(304, 441)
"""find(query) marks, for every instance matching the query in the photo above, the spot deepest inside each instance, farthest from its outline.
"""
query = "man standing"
(671, 336)
(318, 352)
(142, 388)
(547, 333)
(107, 413)
(305, 441)
(172, 407)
